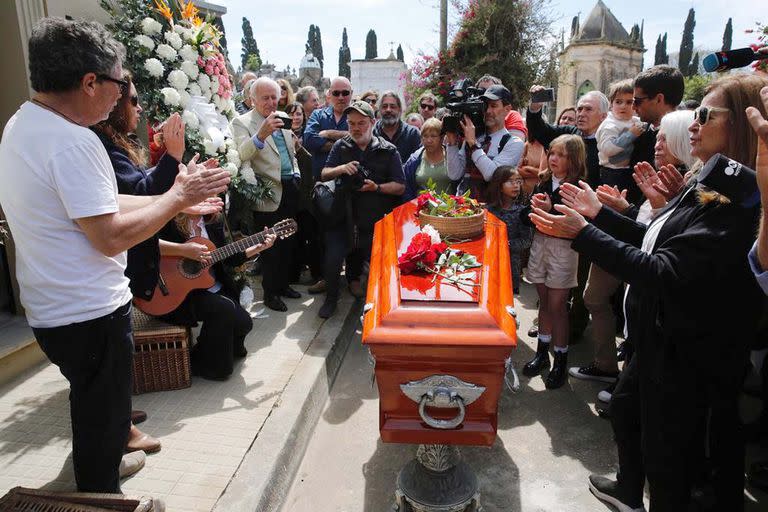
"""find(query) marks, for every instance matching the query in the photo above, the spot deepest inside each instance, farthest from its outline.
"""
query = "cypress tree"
(686, 44)
(657, 56)
(344, 56)
(371, 51)
(315, 44)
(694, 67)
(400, 55)
(664, 54)
(249, 48)
(728, 35)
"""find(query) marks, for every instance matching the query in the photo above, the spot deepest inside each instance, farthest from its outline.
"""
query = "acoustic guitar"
(179, 276)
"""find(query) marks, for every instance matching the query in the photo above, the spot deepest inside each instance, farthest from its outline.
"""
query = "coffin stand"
(440, 355)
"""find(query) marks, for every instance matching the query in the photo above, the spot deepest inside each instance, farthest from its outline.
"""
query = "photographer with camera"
(498, 146)
(369, 182)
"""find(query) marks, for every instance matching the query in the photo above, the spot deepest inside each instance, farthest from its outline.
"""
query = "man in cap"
(476, 160)
(369, 182)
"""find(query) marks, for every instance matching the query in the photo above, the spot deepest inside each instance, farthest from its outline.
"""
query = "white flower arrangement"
(150, 26)
(232, 154)
(189, 54)
(184, 98)
(174, 40)
(246, 172)
(166, 52)
(145, 41)
(190, 69)
(231, 167)
(154, 67)
(194, 89)
(191, 120)
(178, 79)
(171, 96)
(204, 82)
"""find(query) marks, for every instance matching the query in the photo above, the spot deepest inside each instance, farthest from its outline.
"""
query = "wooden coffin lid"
(416, 310)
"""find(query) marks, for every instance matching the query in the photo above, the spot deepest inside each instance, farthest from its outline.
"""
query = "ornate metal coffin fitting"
(444, 392)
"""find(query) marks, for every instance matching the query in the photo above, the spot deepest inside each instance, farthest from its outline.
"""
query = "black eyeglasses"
(283, 88)
(341, 93)
(426, 106)
(703, 114)
(123, 84)
(135, 100)
(637, 100)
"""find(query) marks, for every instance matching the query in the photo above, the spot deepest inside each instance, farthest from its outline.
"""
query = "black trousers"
(95, 357)
(627, 432)
(337, 249)
(225, 326)
(309, 246)
(578, 316)
(277, 261)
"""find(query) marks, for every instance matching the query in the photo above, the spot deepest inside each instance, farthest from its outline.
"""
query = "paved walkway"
(206, 429)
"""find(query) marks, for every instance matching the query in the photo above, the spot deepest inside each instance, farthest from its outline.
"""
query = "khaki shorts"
(552, 262)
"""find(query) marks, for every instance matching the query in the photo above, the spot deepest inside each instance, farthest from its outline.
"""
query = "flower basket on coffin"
(460, 228)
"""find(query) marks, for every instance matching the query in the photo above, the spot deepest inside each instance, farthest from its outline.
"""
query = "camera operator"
(369, 182)
(497, 148)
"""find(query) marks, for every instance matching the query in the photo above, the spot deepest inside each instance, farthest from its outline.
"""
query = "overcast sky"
(281, 31)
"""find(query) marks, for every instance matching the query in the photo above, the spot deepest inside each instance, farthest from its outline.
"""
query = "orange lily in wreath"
(164, 10)
(188, 10)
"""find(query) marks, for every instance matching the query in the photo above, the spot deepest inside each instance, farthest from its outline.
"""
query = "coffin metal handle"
(441, 395)
(444, 392)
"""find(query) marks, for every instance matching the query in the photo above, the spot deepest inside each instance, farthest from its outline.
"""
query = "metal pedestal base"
(437, 480)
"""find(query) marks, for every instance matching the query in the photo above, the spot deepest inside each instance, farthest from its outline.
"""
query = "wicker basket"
(20, 499)
(161, 355)
(461, 228)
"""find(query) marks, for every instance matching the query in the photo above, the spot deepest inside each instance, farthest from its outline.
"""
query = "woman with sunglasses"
(287, 96)
(129, 159)
(371, 97)
(689, 363)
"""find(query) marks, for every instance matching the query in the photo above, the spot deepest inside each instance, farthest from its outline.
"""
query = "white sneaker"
(131, 463)
(604, 396)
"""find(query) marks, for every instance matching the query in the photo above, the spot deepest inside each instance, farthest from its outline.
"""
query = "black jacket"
(545, 133)
(142, 269)
(184, 315)
(686, 295)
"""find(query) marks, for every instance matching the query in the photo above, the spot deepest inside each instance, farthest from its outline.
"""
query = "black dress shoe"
(539, 362)
(290, 293)
(558, 375)
(328, 308)
(240, 352)
(275, 303)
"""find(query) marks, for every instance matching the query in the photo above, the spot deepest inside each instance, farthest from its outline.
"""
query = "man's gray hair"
(489, 78)
(391, 94)
(602, 100)
(62, 51)
(264, 80)
(303, 94)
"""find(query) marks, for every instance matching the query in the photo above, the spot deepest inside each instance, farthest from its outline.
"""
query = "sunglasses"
(372, 101)
(284, 88)
(425, 106)
(135, 100)
(341, 93)
(703, 114)
(123, 84)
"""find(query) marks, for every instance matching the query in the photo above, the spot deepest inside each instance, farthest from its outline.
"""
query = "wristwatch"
(475, 147)
(378, 188)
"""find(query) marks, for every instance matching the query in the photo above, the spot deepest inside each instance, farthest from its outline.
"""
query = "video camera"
(464, 99)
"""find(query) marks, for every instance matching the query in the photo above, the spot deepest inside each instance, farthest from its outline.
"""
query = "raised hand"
(173, 136)
(613, 198)
(469, 130)
(535, 107)
(582, 199)
(194, 183)
(645, 177)
(567, 225)
(671, 180)
(208, 207)
(760, 126)
(541, 201)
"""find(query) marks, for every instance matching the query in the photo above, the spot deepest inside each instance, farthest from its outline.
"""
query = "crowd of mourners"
(605, 214)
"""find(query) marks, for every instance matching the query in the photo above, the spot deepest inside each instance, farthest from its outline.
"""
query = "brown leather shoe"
(139, 441)
(138, 416)
(318, 287)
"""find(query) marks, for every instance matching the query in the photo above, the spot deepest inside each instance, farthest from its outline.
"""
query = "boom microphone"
(721, 61)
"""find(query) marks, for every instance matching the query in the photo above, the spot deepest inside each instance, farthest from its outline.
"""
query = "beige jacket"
(265, 162)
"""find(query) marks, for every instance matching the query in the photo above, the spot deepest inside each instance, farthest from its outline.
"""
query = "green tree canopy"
(344, 56)
(315, 44)
(371, 50)
(250, 55)
(686, 44)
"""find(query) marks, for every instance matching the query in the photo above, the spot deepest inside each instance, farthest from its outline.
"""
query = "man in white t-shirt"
(71, 230)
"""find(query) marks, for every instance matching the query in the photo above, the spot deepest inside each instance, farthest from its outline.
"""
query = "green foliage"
(344, 56)
(728, 35)
(400, 55)
(695, 85)
(660, 56)
(371, 50)
(686, 44)
(693, 69)
(250, 48)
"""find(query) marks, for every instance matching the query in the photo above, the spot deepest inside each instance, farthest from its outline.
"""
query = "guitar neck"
(241, 245)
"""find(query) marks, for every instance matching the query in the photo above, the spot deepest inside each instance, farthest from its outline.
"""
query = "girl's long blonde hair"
(576, 152)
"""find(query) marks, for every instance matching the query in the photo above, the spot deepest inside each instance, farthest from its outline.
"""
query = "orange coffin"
(418, 328)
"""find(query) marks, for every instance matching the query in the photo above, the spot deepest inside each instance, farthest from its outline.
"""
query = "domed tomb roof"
(602, 24)
(309, 61)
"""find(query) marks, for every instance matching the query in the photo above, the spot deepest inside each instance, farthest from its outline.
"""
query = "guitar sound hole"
(190, 268)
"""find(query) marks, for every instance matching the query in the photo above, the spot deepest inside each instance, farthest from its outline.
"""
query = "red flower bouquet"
(428, 253)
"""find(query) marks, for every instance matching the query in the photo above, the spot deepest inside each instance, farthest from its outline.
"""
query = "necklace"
(436, 164)
(48, 107)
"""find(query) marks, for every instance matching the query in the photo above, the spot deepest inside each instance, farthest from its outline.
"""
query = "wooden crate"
(161, 355)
